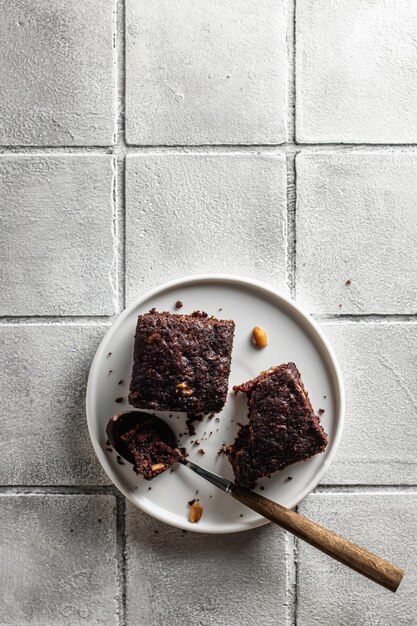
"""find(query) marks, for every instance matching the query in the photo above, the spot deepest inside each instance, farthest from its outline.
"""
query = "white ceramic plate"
(292, 336)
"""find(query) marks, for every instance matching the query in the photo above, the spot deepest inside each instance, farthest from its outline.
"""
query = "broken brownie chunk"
(282, 429)
(181, 362)
(151, 455)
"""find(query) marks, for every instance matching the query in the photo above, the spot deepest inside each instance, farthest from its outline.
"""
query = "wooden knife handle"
(374, 567)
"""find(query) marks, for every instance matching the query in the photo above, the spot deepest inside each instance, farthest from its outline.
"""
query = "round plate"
(292, 336)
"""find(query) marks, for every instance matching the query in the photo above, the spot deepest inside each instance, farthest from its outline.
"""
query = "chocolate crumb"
(119, 400)
(321, 411)
(118, 458)
(210, 496)
(108, 442)
(171, 471)
(241, 515)
(149, 488)
(120, 382)
(121, 462)
(262, 488)
(196, 442)
(201, 451)
(109, 449)
(196, 491)
(348, 282)
(324, 397)
(109, 354)
(289, 478)
(217, 419)
(178, 304)
(220, 309)
(110, 371)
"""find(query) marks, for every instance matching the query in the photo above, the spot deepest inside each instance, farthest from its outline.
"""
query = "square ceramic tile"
(205, 72)
(56, 235)
(57, 72)
(357, 232)
(204, 213)
(356, 75)
(58, 557)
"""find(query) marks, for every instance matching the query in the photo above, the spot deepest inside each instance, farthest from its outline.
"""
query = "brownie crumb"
(108, 442)
(262, 488)
(109, 449)
(189, 422)
(289, 478)
(200, 314)
(120, 462)
(221, 451)
(201, 451)
(196, 442)
(321, 411)
(179, 304)
(118, 458)
(119, 400)
(220, 309)
(171, 471)
(149, 488)
(217, 419)
(191, 502)
(348, 282)
(110, 371)
(120, 382)
(196, 491)
(109, 354)
(324, 397)
(241, 515)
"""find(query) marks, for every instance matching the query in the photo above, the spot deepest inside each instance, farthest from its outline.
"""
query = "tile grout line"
(121, 558)
(107, 320)
(100, 490)
(291, 225)
(120, 156)
(120, 146)
(120, 257)
(291, 578)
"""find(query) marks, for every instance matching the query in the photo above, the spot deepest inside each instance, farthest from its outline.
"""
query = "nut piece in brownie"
(181, 362)
(282, 428)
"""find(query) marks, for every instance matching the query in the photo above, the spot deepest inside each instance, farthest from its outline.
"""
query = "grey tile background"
(129, 129)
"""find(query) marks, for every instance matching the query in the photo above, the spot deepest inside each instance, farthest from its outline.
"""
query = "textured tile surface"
(190, 214)
(43, 373)
(379, 363)
(331, 594)
(356, 71)
(356, 221)
(206, 72)
(58, 560)
(56, 72)
(206, 579)
(56, 235)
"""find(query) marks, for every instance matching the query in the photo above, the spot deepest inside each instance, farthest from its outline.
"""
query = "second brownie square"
(181, 362)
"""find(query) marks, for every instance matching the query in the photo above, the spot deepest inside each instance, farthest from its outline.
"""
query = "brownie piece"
(282, 428)
(181, 362)
(151, 455)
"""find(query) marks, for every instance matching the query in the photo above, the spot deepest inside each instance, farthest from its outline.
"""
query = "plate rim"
(230, 279)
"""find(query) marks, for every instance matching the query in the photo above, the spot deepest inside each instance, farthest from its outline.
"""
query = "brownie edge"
(181, 362)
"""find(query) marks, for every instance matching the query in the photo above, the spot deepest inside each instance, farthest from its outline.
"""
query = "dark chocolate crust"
(282, 429)
(171, 350)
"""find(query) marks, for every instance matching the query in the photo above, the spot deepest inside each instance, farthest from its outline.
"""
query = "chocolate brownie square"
(282, 428)
(181, 362)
